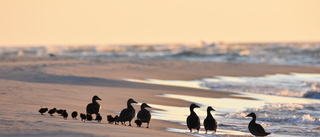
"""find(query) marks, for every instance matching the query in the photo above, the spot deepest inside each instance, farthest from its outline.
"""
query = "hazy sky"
(50, 22)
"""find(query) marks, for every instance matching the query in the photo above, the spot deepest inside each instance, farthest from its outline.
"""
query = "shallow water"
(281, 114)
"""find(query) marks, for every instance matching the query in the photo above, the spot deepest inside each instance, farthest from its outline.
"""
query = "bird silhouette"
(65, 114)
(138, 122)
(209, 122)
(144, 115)
(52, 111)
(94, 107)
(254, 128)
(74, 114)
(98, 117)
(83, 117)
(128, 113)
(43, 110)
(193, 121)
(89, 117)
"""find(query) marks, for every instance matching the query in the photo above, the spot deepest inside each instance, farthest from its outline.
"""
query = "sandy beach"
(29, 83)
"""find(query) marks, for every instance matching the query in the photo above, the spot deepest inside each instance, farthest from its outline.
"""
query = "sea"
(285, 104)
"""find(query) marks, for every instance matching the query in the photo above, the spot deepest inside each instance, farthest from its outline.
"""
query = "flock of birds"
(144, 116)
(127, 114)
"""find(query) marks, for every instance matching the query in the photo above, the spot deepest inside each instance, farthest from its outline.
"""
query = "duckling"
(98, 117)
(83, 117)
(254, 128)
(138, 122)
(65, 114)
(43, 110)
(74, 114)
(52, 111)
(89, 117)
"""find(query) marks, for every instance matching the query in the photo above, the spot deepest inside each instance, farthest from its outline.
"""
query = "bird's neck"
(129, 105)
(192, 111)
(209, 114)
(253, 120)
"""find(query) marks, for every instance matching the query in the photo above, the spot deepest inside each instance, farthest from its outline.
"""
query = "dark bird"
(193, 121)
(116, 119)
(98, 117)
(65, 114)
(83, 117)
(89, 117)
(94, 107)
(254, 128)
(128, 113)
(138, 122)
(144, 115)
(51, 111)
(74, 114)
(43, 110)
(111, 119)
(60, 111)
(209, 122)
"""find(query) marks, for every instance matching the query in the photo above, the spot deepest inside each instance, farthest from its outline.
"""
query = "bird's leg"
(148, 125)
(130, 123)
(206, 131)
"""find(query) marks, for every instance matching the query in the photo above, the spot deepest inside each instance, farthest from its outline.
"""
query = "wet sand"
(28, 83)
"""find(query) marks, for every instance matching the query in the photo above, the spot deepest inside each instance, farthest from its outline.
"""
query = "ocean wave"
(312, 94)
(282, 113)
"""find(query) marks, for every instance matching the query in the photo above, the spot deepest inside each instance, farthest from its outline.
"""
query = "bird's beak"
(99, 99)
(248, 115)
(149, 106)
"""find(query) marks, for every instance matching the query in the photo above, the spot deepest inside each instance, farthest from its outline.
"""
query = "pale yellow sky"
(77, 22)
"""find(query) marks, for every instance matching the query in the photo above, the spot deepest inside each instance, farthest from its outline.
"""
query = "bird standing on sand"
(83, 117)
(94, 107)
(209, 122)
(65, 114)
(138, 122)
(60, 111)
(144, 115)
(43, 110)
(74, 114)
(193, 121)
(254, 128)
(128, 113)
(89, 117)
(51, 111)
(98, 117)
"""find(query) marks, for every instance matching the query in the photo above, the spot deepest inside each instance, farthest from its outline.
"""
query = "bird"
(254, 128)
(138, 122)
(98, 117)
(94, 107)
(116, 122)
(43, 110)
(128, 113)
(111, 119)
(65, 114)
(60, 111)
(83, 117)
(74, 114)
(144, 115)
(51, 111)
(209, 122)
(193, 121)
(89, 117)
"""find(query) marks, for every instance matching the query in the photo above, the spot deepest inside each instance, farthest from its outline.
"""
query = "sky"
(83, 22)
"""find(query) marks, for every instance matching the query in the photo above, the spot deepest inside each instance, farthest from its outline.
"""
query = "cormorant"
(43, 110)
(128, 113)
(254, 128)
(89, 117)
(144, 115)
(98, 117)
(193, 121)
(138, 122)
(65, 114)
(94, 107)
(74, 114)
(51, 111)
(83, 117)
(209, 122)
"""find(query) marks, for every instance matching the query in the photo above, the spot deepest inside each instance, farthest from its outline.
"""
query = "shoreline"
(54, 82)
